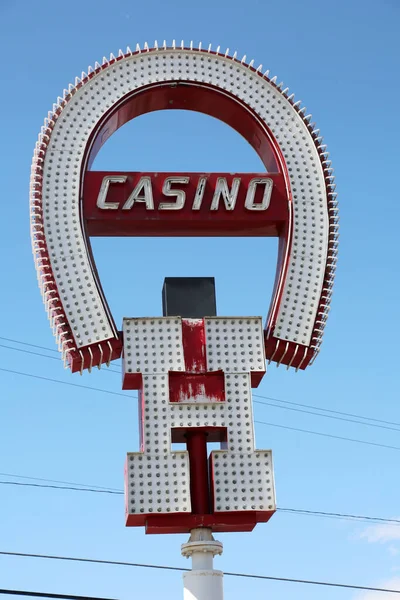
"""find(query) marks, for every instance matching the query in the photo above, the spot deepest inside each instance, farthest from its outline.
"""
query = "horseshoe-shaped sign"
(294, 199)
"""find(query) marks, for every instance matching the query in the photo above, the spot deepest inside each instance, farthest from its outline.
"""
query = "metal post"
(196, 443)
(202, 582)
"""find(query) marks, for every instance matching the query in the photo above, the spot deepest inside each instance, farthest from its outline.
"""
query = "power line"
(181, 569)
(32, 345)
(108, 370)
(85, 387)
(26, 344)
(255, 401)
(328, 410)
(49, 595)
(348, 517)
(309, 406)
(62, 487)
(311, 582)
(300, 511)
(329, 435)
(87, 485)
(29, 352)
(310, 412)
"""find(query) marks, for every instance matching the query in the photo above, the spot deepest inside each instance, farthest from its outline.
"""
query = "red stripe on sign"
(186, 387)
(194, 345)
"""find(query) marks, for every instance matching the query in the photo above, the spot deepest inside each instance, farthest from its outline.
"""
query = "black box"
(189, 297)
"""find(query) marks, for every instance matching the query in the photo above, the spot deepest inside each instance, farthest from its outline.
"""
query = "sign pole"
(203, 582)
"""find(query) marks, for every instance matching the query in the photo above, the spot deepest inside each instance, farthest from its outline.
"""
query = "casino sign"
(294, 199)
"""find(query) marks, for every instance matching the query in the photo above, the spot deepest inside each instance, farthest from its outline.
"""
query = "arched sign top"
(196, 96)
(299, 177)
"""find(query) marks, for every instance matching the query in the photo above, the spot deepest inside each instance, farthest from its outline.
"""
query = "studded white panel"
(243, 477)
(153, 345)
(81, 300)
(158, 484)
(158, 479)
(236, 413)
(235, 344)
(63, 161)
(243, 481)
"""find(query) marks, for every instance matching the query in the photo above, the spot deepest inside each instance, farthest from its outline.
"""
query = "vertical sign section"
(157, 479)
(219, 358)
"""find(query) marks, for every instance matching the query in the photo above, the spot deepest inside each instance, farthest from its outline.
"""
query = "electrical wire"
(310, 412)
(308, 406)
(30, 352)
(49, 595)
(300, 511)
(5, 339)
(329, 435)
(31, 345)
(182, 569)
(87, 485)
(108, 370)
(348, 517)
(85, 387)
(319, 433)
(255, 401)
(327, 410)
(61, 487)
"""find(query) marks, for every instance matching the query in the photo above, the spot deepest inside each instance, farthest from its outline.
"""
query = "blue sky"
(342, 60)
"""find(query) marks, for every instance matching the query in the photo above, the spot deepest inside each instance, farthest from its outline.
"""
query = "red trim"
(95, 355)
(234, 521)
(195, 96)
(288, 353)
(196, 387)
(194, 345)
(131, 381)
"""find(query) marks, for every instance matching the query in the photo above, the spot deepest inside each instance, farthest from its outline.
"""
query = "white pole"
(202, 582)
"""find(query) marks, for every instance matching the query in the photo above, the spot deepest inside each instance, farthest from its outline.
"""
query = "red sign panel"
(184, 204)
